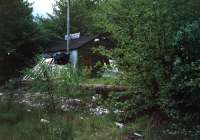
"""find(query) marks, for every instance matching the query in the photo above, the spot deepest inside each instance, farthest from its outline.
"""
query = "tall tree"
(146, 34)
(81, 14)
(17, 35)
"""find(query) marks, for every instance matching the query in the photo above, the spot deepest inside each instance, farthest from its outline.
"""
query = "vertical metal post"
(68, 24)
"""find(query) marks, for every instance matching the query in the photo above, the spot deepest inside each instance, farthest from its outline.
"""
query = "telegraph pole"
(68, 24)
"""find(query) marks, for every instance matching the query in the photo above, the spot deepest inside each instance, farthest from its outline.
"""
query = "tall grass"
(53, 80)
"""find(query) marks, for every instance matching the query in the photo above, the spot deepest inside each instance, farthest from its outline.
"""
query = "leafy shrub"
(160, 61)
(181, 100)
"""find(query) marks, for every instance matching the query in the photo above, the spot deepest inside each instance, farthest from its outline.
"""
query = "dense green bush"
(18, 37)
(158, 51)
(181, 101)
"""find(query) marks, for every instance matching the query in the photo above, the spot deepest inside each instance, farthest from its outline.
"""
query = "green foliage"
(19, 124)
(11, 116)
(81, 11)
(181, 98)
(61, 126)
(7, 117)
(103, 81)
(18, 33)
(53, 80)
(157, 48)
(149, 44)
(16, 24)
(90, 127)
(59, 130)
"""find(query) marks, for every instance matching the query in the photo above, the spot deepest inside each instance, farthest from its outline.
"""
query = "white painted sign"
(73, 36)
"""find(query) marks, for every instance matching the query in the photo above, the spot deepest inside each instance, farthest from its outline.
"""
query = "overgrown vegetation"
(24, 123)
(19, 37)
(156, 49)
(53, 80)
(54, 26)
